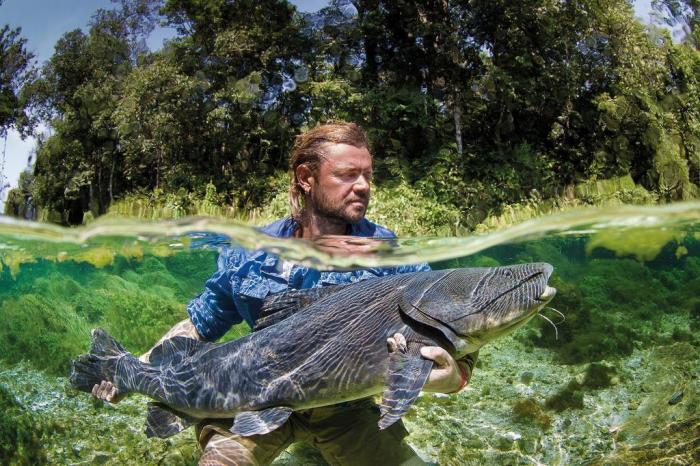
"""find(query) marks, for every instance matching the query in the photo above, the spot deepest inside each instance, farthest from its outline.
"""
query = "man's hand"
(106, 391)
(446, 377)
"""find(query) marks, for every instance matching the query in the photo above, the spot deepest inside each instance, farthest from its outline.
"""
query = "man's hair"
(310, 148)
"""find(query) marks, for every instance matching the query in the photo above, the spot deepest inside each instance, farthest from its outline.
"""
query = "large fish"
(323, 346)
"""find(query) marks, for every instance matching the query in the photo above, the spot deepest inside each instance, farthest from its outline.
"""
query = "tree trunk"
(111, 185)
(457, 113)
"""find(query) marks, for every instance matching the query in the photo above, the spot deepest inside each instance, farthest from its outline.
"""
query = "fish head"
(474, 306)
(503, 300)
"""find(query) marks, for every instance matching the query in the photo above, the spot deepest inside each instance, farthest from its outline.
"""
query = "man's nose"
(361, 184)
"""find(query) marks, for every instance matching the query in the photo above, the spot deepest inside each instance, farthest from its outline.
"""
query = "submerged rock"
(676, 398)
(527, 377)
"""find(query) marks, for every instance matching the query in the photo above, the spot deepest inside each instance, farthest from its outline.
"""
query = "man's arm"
(184, 328)
(448, 375)
(108, 392)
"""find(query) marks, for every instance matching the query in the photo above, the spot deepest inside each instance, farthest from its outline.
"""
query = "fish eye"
(508, 273)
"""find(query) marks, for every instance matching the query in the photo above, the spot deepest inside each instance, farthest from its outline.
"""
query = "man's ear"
(305, 177)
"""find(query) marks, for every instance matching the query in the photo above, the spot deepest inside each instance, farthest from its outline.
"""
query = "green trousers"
(345, 434)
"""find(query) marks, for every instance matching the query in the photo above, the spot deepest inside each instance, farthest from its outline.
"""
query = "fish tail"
(106, 360)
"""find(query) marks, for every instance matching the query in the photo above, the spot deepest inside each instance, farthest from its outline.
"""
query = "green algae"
(49, 307)
(40, 330)
(569, 397)
(599, 376)
(529, 410)
(21, 433)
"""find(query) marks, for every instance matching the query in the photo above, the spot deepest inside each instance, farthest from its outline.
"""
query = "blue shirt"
(244, 278)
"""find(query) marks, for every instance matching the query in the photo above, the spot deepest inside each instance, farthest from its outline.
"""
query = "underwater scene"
(609, 375)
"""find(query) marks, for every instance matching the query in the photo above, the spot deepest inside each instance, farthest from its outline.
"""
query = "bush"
(408, 212)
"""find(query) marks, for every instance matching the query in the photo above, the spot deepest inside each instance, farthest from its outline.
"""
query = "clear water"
(616, 383)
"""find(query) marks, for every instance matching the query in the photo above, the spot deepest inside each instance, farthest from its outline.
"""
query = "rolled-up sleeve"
(213, 312)
(236, 291)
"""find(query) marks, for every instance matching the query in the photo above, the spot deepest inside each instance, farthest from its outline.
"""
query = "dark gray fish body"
(332, 350)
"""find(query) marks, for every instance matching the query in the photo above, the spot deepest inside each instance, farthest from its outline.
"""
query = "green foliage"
(621, 189)
(407, 211)
(599, 193)
(158, 104)
(15, 70)
(158, 205)
(17, 202)
(403, 208)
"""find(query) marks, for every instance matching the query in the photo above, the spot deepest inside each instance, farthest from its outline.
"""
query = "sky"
(43, 22)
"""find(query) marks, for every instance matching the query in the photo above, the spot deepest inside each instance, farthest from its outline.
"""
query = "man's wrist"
(465, 375)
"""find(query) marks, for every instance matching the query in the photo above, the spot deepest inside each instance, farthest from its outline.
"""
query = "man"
(331, 169)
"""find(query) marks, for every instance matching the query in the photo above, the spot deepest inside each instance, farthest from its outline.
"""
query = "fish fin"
(260, 422)
(279, 306)
(88, 370)
(174, 350)
(163, 422)
(408, 372)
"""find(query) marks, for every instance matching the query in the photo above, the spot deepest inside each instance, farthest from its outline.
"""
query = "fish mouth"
(547, 295)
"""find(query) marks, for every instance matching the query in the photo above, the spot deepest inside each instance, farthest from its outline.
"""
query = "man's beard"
(339, 212)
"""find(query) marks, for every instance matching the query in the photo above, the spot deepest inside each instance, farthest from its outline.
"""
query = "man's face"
(340, 189)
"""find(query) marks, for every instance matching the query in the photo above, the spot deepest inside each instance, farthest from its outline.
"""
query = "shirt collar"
(356, 229)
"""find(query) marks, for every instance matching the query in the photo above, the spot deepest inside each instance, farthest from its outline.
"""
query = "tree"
(159, 106)
(684, 14)
(77, 93)
(19, 200)
(15, 70)
(477, 103)
(139, 18)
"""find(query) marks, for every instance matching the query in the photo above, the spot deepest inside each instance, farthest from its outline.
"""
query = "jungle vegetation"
(470, 105)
